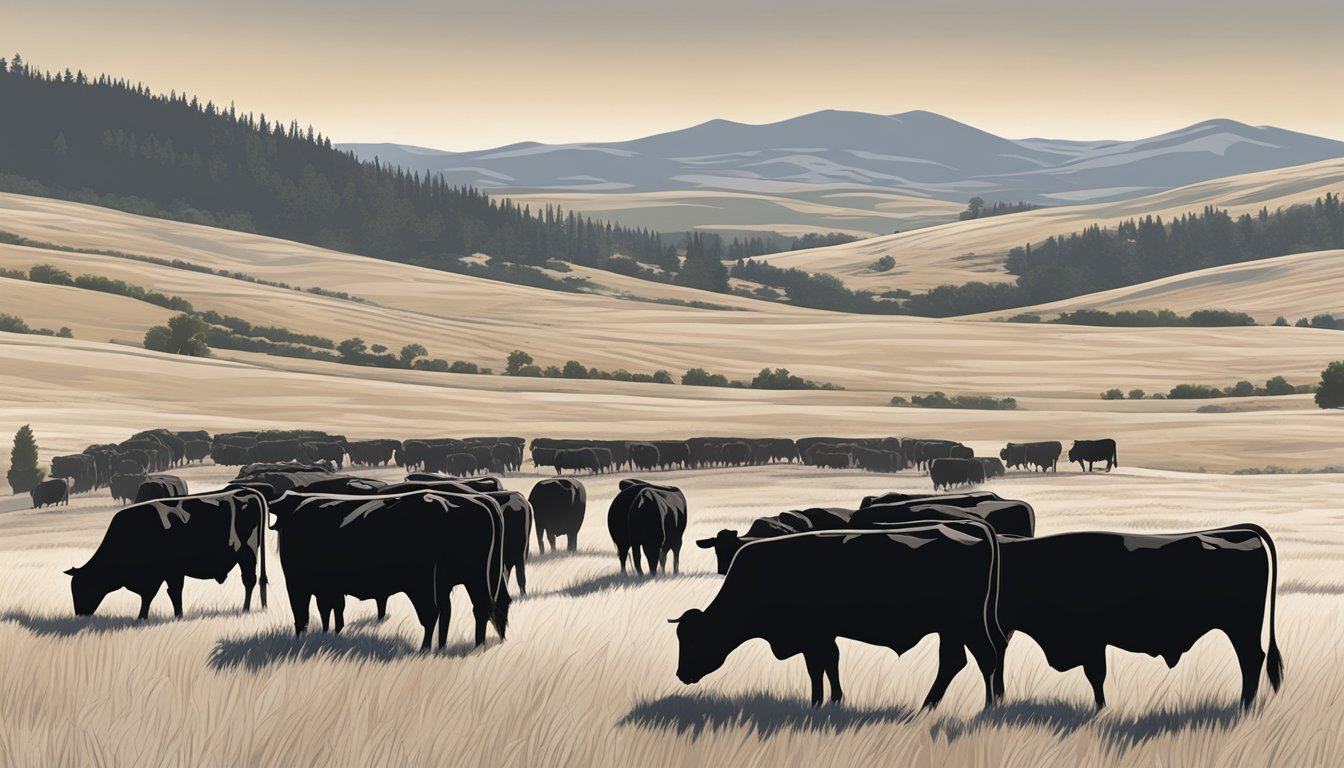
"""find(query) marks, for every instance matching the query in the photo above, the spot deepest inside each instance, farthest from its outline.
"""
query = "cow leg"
(652, 554)
(951, 659)
(299, 603)
(541, 541)
(175, 593)
(427, 610)
(676, 560)
(445, 613)
(247, 568)
(1096, 675)
(829, 654)
(1251, 658)
(816, 667)
(146, 598)
(382, 607)
(988, 654)
(338, 608)
(634, 555)
(521, 573)
(624, 552)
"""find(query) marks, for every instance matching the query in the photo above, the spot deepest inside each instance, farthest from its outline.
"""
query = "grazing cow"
(371, 452)
(197, 450)
(946, 473)
(80, 469)
(345, 485)
(736, 454)
(644, 457)
(479, 484)
(231, 454)
(960, 452)
(673, 454)
(544, 457)
(1092, 451)
(649, 517)
(313, 451)
(50, 493)
(126, 487)
(575, 459)
(1076, 593)
(1007, 518)
(177, 447)
(558, 507)
(967, 499)
(166, 540)
(831, 460)
(877, 459)
(160, 487)
(802, 591)
(370, 547)
(1043, 456)
(510, 456)
(462, 464)
(517, 514)
(993, 466)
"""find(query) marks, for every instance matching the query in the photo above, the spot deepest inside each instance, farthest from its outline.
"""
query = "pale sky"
(470, 75)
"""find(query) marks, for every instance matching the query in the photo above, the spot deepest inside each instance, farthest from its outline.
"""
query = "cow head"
(725, 545)
(88, 594)
(1073, 452)
(1003, 454)
(702, 647)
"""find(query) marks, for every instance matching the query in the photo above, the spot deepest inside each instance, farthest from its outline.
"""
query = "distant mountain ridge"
(916, 153)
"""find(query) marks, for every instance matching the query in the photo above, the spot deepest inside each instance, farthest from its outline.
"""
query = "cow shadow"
(1119, 731)
(1129, 731)
(610, 582)
(268, 648)
(765, 714)
(46, 625)
(564, 554)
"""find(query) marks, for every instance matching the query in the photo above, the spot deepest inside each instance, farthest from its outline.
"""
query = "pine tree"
(24, 473)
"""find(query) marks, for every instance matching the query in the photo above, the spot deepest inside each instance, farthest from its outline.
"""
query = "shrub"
(1302, 322)
(699, 377)
(1325, 321)
(884, 264)
(1113, 394)
(24, 473)
(14, 324)
(185, 334)
(1211, 409)
(1279, 386)
(1330, 392)
(780, 378)
(1136, 394)
(1280, 322)
(518, 359)
(46, 273)
(1025, 317)
(899, 401)
(1193, 392)
(1240, 389)
(976, 402)
(574, 370)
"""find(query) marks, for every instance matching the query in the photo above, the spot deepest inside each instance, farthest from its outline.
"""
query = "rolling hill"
(82, 390)
(966, 251)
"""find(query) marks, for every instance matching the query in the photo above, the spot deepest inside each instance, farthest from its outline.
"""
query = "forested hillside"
(114, 143)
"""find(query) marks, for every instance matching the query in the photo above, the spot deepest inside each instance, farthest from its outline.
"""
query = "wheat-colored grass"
(586, 674)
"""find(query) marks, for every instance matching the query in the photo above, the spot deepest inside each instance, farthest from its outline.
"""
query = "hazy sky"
(468, 75)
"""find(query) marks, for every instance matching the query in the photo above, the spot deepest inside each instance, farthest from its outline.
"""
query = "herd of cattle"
(799, 579)
(127, 466)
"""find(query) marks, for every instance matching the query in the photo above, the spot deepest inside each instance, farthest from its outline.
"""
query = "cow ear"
(684, 616)
(71, 571)
(705, 543)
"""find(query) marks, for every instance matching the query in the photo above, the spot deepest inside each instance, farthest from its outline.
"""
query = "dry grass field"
(586, 674)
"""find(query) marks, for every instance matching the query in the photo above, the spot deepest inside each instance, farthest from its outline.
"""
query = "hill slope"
(964, 251)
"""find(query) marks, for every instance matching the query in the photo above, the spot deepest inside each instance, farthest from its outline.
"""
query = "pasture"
(586, 675)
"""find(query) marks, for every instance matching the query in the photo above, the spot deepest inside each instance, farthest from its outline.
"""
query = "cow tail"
(495, 569)
(263, 517)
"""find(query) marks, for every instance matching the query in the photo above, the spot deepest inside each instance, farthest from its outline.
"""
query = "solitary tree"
(23, 470)
(1330, 393)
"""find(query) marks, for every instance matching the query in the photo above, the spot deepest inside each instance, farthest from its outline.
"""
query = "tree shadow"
(268, 648)
(765, 714)
(46, 625)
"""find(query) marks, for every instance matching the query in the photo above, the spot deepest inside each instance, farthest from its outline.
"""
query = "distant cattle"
(421, 544)
(160, 487)
(372, 452)
(736, 454)
(197, 450)
(558, 507)
(344, 485)
(462, 464)
(126, 487)
(831, 459)
(316, 450)
(575, 459)
(993, 466)
(651, 518)
(802, 591)
(673, 454)
(1092, 451)
(80, 469)
(946, 473)
(644, 457)
(510, 456)
(167, 540)
(1042, 456)
(50, 493)
(1157, 594)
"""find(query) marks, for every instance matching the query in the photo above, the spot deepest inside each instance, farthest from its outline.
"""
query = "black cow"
(1043, 456)
(649, 517)
(160, 487)
(421, 544)
(511, 456)
(371, 452)
(544, 457)
(1007, 518)
(80, 469)
(575, 459)
(1092, 451)
(126, 487)
(993, 466)
(345, 485)
(558, 507)
(517, 514)
(800, 592)
(736, 454)
(831, 459)
(673, 453)
(1076, 593)
(967, 499)
(197, 450)
(644, 456)
(314, 451)
(50, 493)
(480, 484)
(462, 464)
(167, 540)
(946, 473)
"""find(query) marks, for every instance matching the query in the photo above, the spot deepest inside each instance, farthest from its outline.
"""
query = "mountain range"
(920, 154)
